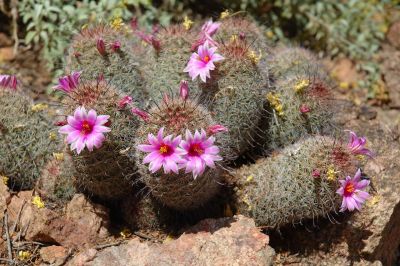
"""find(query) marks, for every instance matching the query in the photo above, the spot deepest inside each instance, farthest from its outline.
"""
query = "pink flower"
(352, 193)
(115, 46)
(9, 81)
(357, 145)
(316, 173)
(214, 129)
(124, 102)
(101, 46)
(150, 39)
(199, 152)
(202, 62)
(68, 83)
(304, 109)
(207, 31)
(184, 90)
(164, 152)
(142, 114)
(85, 129)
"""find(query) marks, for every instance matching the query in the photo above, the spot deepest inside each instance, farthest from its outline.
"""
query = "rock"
(7, 54)
(368, 237)
(225, 241)
(83, 225)
(4, 199)
(390, 67)
(393, 35)
(53, 254)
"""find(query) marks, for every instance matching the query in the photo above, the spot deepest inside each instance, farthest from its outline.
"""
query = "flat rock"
(53, 254)
(225, 241)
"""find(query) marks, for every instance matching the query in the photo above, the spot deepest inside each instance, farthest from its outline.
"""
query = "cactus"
(179, 191)
(298, 183)
(302, 103)
(103, 50)
(56, 181)
(27, 139)
(105, 172)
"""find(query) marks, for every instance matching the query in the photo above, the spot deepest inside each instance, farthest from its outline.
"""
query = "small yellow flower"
(344, 85)
(84, 26)
(301, 85)
(270, 34)
(125, 233)
(144, 44)
(331, 173)
(59, 156)
(37, 201)
(249, 178)
(52, 136)
(39, 107)
(373, 200)
(117, 23)
(224, 14)
(5, 179)
(254, 57)
(233, 38)
(168, 238)
(246, 200)
(361, 158)
(274, 100)
(24, 255)
(187, 23)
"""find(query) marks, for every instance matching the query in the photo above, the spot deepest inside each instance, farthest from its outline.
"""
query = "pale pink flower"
(124, 102)
(357, 145)
(304, 109)
(202, 62)
(214, 129)
(199, 152)
(184, 90)
(164, 152)
(142, 114)
(9, 82)
(207, 31)
(352, 192)
(68, 83)
(85, 129)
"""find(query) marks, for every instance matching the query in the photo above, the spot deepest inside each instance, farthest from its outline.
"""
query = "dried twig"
(14, 14)
(8, 260)
(9, 245)
(110, 245)
(18, 217)
(143, 236)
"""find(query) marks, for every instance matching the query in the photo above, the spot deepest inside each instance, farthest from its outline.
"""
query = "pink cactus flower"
(116, 46)
(142, 114)
(202, 62)
(352, 192)
(101, 46)
(357, 145)
(9, 82)
(85, 129)
(68, 83)
(214, 129)
(207, 31)
(149, 39)
(124, 102)
(184, 90)
(304, 109)
(164, 152)
(199, 152)
(316, 173)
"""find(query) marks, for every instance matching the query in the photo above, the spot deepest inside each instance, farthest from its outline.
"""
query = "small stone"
(53, 254)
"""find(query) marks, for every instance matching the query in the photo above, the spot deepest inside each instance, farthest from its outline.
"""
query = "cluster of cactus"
(132, 120)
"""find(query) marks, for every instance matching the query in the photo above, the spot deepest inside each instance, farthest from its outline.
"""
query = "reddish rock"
(393, 35)
(225, 241)
(53, 254)
(390, 67)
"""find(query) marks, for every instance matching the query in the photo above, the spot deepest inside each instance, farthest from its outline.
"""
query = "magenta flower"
(9, 81)
(199, 152)
(352, 193)
(357, 145)
(101, 46)
(202, 62)
(115, 46)
(142, 114)
(184, 90)
(304, 109)
(214, 129)
(207, 31)
(164, 152)
(68, 83)
(124, 102)
(85, 129)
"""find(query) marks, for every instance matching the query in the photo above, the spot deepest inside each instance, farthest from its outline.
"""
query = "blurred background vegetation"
(333, 28)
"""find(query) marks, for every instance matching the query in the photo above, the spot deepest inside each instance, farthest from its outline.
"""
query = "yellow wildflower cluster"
(52, 136)
(274, 100)
(246, 200)
(59, 156)
(39, 107)
(254, 57)
(331, 173)
(125, 233)
(373, 200)
(224, 14)
(187, 23)
(301, 85)
(24, 255)
(233, 38)
(168, 238)
(249, 178)
(37, 201)
(117, 23)
(5, 179)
